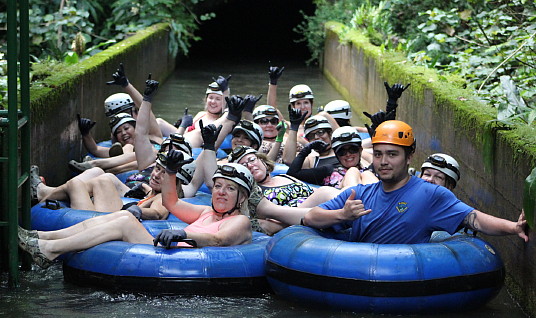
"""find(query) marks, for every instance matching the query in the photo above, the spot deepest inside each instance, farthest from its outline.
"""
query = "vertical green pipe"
(12, 130)
(25, 137)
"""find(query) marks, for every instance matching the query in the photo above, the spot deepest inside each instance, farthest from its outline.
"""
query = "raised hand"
(151, 86)
(167, 236)
(210, 135)
(185, 121)
(282, 129)
(394, 92)
(120, 78)
(222, 82)
(354, 209)
(175, 160)
(296, 117)
(275, 72)
(236, 105)
(250, 101)
(85, 125)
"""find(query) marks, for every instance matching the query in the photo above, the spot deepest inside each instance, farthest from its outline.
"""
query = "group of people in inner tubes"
(337, 180)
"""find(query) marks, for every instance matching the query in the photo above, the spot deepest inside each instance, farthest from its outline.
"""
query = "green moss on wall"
(50, 92)
(469, 114)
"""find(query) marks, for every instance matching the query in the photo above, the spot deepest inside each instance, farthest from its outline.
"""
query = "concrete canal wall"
(54, 105)
(445, 118)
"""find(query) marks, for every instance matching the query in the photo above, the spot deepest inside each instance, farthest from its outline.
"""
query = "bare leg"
(284, 214)
(125, 227)
(79, 227)
(108, 163)
(321, 195)
(352, 178)
(104, 193)
(166, 128)
(194, 137)
(47, 192)
(367, 177)
(133, 165)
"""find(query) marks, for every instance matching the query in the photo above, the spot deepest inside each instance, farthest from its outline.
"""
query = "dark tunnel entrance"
(257, 31)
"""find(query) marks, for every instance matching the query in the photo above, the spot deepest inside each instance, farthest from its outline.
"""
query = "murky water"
(43, 293)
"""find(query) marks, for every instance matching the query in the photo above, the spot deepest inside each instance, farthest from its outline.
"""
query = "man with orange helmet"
(402, 208)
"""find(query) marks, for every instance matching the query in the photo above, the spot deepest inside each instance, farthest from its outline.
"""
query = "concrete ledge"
(82, 90)
(445, 118)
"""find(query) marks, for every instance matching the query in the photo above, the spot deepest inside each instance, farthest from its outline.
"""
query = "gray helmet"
(252, 130)
(339, 109)
(237, 173)
(443, 163)
(117, 103)
(178, 141)
(345, 135)
(185, 172)
(240, 152)
(264, 111)
(120, 119)
(300, 91)
(316, 122)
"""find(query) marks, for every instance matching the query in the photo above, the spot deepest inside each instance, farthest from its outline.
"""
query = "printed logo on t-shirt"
(402, 207)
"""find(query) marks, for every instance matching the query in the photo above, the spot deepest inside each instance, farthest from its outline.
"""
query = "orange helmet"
(394, 132)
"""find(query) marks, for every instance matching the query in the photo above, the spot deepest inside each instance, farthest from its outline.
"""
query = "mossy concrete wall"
(82, 90)
(445, 118)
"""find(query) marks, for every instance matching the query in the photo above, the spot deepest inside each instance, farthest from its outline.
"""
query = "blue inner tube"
(454, 273)
(122, 266)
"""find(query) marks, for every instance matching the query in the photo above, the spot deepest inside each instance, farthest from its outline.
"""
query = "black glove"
(120, 78)
(185, 121)
(394, 92)
(175, 160)
(275, 72)
(378, 118)
(136, 192)
(250, 101)
(222, 82)
(295, 117)
(85, 125)
(317, 145)
(210, 135)
(135, 210)
(151, 86)
(167, 236)
(236, 105)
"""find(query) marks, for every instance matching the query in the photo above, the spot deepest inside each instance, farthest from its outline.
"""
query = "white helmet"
(300, 91)
(240, 152)
(117, 103)
(252, 130)
(120, 119)
(237, 173)
(185, 172)
(345, 135)
(263, 111)
(178, 141)
(339, 109)
(443, 163)
(213, 88)
(315, 122)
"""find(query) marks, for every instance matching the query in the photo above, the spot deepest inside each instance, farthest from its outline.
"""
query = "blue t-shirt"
(404, 216)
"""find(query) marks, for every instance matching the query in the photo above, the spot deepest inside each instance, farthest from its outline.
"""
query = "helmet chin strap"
(230, 211)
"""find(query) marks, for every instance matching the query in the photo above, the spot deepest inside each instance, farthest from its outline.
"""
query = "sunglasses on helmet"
(347, 136)
(441, 162)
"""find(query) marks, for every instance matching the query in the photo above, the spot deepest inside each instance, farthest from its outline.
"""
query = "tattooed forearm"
(470, 221)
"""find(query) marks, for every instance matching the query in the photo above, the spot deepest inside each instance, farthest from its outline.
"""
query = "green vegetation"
(486, 46)
(65, 32)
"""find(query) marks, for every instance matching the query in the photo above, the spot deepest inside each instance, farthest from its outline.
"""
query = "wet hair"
(343, 122)
(449, 182)
(409, 150)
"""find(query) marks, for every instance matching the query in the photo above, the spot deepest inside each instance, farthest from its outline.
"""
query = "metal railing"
(15, 132)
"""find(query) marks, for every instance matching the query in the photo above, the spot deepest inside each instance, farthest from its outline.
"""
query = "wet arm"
(185, 211)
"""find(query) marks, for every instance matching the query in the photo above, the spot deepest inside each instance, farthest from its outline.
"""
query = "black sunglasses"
(265, 121)
(341, 151)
